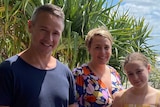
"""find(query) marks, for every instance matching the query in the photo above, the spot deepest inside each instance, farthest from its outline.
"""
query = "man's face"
(45, 32)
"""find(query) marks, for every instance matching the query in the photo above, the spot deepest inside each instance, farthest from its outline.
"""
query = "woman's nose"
(102, 50)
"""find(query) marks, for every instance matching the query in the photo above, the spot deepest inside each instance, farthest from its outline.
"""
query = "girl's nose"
(135, 76)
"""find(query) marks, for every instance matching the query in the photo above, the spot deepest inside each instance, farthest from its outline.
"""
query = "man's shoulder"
(9, 61)
(61, 65)
(12, 59)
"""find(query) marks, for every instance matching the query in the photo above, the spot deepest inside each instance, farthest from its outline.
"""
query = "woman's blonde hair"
(100, 31)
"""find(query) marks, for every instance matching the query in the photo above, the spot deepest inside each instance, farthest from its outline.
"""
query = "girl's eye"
(130, 74)
(97, 47)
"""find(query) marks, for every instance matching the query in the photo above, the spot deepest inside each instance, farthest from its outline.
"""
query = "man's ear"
(29, 25)
(149, 68)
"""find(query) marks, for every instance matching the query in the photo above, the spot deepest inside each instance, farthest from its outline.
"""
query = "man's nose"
(50, 37)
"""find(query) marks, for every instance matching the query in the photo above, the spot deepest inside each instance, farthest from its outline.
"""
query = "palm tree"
(129, 33)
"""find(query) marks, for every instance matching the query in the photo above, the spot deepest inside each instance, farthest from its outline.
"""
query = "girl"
(137, 69)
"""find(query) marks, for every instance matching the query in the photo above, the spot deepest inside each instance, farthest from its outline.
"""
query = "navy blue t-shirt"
(22, 85)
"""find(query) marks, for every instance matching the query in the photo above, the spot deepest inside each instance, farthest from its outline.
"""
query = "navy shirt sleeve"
(6, 85)
(72, 89)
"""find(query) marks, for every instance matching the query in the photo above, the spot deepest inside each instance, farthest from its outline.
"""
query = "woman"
(96, 82)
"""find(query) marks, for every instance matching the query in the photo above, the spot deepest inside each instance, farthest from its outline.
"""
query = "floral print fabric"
(91, 91)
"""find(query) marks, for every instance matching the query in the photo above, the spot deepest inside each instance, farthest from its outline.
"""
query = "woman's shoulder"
(113, 70)
(80, 70)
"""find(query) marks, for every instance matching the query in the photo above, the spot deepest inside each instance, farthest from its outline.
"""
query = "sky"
(150, 10)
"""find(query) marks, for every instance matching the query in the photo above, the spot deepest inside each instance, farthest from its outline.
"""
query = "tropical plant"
(129, 33)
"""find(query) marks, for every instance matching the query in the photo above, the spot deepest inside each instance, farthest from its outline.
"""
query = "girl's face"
(100, 50)
(137, 73)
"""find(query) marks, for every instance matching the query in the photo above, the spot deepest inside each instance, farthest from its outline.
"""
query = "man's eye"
(43, 30)
(55, 33)
(139, 72)
(106, 48)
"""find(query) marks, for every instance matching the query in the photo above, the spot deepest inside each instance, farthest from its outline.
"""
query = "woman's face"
(137, 73)
(100, 50)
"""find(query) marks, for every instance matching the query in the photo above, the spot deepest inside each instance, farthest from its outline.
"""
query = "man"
(34, 78)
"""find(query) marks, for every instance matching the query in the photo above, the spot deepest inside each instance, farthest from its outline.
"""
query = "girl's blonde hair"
(136, 56)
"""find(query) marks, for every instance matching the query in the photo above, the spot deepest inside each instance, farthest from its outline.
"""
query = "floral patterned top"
(91, 91)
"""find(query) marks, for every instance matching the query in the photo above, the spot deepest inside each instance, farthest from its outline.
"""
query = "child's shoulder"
(118, 98)
(156, 93)
(154, 90)
(120, 93)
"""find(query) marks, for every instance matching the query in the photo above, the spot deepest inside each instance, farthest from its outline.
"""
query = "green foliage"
(129, 33)
(154, 78)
